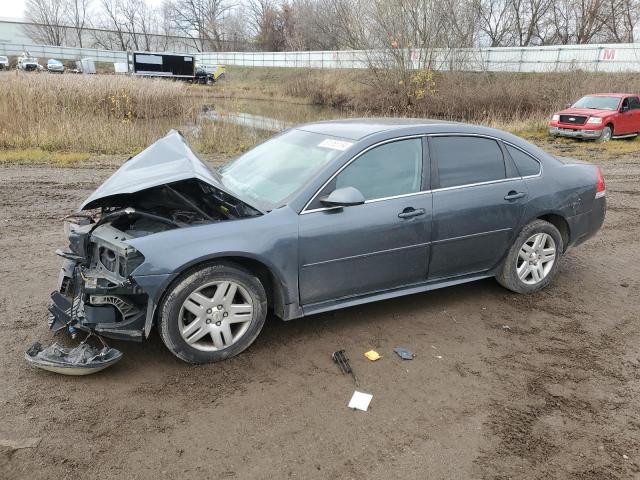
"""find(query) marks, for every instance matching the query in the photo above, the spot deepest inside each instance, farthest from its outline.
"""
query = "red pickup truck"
(601, 117)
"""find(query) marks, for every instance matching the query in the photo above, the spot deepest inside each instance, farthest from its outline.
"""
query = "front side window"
(634, 103)
(385, 171)
(525, 164)
(467, 160)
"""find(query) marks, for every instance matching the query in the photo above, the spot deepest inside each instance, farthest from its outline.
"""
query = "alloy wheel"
(215, 316)
(536, 258)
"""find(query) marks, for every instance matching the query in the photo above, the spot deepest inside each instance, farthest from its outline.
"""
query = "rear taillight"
(600, 187)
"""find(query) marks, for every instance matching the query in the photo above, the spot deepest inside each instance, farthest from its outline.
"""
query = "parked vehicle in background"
(85, 65)
(120, 68)
(600, 117)
(209, 74)
(4, 62)
(28, 63)
(55, 66)
(323, 216)
(166, 65)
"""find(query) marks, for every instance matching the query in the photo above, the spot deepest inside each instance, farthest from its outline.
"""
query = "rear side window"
(467, 160)
(385, 171)
(525, 164)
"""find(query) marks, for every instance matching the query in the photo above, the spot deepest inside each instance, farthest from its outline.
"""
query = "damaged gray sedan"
(320, 217)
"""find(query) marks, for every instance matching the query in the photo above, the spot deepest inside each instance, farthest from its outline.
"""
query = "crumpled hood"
(166, 161)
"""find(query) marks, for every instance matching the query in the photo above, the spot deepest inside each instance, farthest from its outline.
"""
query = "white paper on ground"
(360, 401)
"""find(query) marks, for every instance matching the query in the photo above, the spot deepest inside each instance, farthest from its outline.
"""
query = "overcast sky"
(12, 8)
(15, 8)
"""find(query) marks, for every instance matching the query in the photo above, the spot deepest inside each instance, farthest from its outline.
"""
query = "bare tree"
(111, 20)
(236, 30)
(147, 25)
(528, 20)
(621, 20)
(200, 20)
(76, 16)
(47, 19)
(496, 21)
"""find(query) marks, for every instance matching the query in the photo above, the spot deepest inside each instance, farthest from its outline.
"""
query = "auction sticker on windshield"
(335, 144)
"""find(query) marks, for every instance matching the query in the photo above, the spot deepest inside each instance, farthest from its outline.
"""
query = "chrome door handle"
(410, 212)
(513, 195)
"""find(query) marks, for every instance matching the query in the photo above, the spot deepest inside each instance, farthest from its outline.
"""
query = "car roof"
(358, 128)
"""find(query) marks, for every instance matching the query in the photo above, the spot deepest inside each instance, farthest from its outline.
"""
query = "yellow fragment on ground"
(373, 355)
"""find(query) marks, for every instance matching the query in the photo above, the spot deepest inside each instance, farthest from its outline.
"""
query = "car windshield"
(597, 103)
(271, 172)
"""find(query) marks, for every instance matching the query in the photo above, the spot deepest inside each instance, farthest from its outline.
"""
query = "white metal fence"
(605, 57)
(44, 52)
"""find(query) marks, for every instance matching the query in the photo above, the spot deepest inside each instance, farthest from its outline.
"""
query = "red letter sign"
(608, 54)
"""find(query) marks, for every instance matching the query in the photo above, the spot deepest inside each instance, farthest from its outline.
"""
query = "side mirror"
(567, 105)
(624, 108)
(343, 197)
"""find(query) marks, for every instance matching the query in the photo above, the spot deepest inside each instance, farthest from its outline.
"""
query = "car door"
(624, 119)
(378, 245)
(478, 202)
(634, 115)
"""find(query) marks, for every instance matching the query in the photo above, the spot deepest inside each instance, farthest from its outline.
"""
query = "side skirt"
(628, 135)
(387, 294)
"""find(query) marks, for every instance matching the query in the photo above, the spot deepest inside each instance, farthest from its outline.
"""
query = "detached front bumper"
(85, 303)
(575, 132)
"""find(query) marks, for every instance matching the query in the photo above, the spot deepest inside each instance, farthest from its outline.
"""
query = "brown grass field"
(65, 119)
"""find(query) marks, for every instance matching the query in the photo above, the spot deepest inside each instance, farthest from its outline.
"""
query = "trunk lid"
(168, 160)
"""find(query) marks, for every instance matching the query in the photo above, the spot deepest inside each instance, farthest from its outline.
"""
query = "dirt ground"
(503, 386)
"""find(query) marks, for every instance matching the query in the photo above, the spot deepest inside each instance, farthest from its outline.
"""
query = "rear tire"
(212, 313)
(532, 260)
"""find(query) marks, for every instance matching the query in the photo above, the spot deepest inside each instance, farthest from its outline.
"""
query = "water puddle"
(271, 116)
(248, 120)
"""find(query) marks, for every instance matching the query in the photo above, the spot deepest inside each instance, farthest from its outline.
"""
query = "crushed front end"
(95, 290)
(164, 187)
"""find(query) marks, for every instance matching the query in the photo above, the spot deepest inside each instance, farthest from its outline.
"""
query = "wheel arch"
(611, 124)
(273, 284)
(561, 224)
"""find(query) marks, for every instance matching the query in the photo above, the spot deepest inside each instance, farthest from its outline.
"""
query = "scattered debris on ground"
(404, 353)
(81, 360)
(372, 355)
(360, 401)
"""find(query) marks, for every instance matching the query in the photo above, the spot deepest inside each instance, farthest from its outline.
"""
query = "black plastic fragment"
(343, 362)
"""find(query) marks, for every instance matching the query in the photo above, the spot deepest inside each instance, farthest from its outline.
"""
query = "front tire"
(533, 259)
(212, 313)
(605, 136)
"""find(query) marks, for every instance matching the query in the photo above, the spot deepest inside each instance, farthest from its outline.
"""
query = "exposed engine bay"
(96, 291)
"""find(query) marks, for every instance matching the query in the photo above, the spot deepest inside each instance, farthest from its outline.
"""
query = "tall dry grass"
(514, 101)
(102, 114)
(122, 115)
